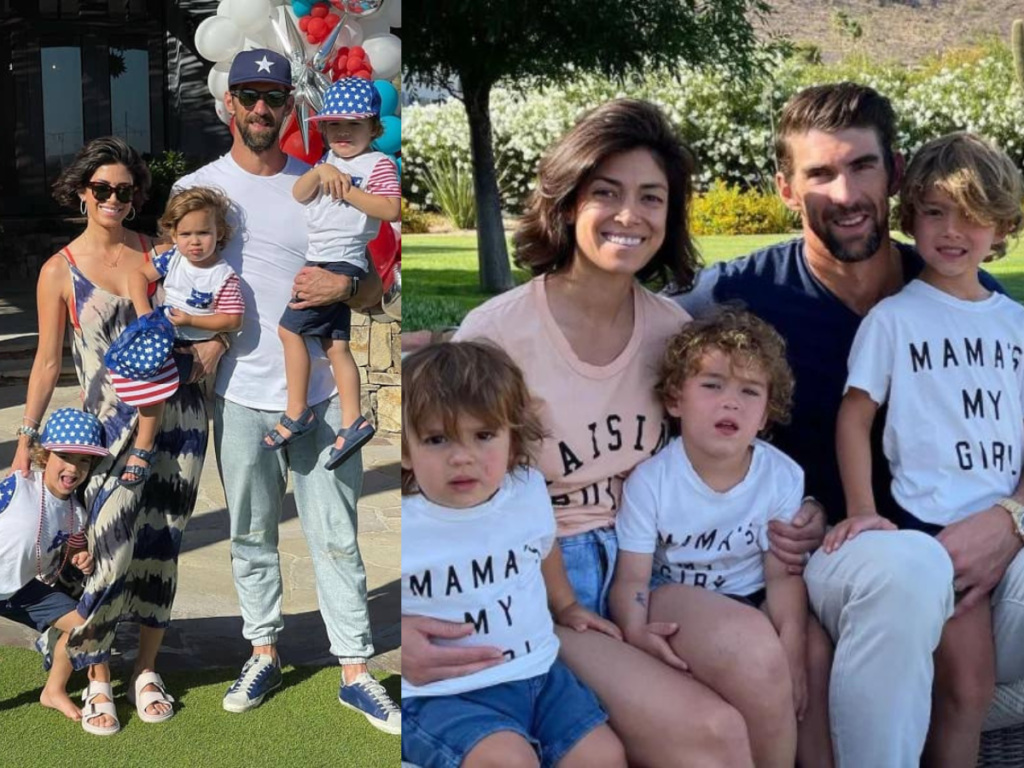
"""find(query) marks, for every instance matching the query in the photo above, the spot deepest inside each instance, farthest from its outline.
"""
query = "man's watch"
(355, 287)
(1016, 510)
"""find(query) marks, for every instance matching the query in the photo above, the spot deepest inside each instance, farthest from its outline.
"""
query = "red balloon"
(304, 23)
(317, 27)
(354, 65)
(318, 11)
(332, 20)
(364, 74)
(385, 251)
(292, 145)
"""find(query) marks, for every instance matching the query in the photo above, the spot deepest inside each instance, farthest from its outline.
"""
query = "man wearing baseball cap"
(267, 250)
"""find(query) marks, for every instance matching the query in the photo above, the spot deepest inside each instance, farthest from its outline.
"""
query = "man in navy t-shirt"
(884, 596)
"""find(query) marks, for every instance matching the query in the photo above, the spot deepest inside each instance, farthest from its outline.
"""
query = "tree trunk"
(495, 273)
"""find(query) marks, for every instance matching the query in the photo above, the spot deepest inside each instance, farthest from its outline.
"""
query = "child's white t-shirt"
(198, 290)
(950, 371)
(482, 565)
(20, 499)
(702, 537)
(338, 231)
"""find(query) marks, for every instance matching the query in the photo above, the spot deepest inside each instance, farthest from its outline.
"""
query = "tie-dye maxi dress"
(134, 533)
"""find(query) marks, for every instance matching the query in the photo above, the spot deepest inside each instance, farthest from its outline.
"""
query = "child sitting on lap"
(693, 537)
(202, 297)
(346, 197)
(42, 530)
(945, 354)
(477, 523)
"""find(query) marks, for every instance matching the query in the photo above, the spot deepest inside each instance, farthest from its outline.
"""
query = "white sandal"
(142, 699)
(94, 709)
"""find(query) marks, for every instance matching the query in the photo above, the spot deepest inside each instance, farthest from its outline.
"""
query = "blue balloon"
(391, 142)
(388, 97)
(302, 7)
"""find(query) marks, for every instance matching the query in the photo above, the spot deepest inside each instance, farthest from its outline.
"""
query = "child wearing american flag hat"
(346, 196)
(42, 531)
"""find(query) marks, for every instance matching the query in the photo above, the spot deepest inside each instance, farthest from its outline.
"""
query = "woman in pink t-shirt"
(609, 213)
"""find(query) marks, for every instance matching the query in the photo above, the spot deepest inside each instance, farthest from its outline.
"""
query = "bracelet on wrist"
(31, 432)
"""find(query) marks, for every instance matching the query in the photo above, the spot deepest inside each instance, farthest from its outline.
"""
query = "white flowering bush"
(728, 123)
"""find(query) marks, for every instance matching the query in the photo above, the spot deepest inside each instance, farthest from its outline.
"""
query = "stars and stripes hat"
(349, 98)
(72, 431)
(260, 66)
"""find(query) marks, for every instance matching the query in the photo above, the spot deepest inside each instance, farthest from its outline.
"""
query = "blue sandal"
(298, 427)
(355, 437)
(139, 474)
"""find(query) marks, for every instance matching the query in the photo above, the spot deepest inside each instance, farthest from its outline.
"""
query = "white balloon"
(394, 12)
(224, 8)
(222, 111)
(218, 38)
(385, 55)
(250, 15)
(351, 34)
(217, 80)
(377, 24)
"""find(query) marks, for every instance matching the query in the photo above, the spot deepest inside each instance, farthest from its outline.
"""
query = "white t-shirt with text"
(482, 565)
(950, 371)
(702, 537)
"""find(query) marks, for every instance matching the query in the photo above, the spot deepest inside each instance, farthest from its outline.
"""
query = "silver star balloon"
(308, 79)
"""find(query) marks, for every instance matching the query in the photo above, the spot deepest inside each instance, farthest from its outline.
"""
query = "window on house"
(129, 97)
(62, 104)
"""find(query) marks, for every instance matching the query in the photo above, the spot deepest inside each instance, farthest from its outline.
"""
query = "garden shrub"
(414, 222)
(728, 122)
(725, 209)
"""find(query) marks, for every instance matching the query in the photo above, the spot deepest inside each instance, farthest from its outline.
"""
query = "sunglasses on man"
(102, 191)
(248, 97)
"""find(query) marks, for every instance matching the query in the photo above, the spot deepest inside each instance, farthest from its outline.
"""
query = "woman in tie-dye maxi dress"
(135, 533)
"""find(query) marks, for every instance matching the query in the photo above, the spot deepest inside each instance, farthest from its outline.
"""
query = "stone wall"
(376, 345)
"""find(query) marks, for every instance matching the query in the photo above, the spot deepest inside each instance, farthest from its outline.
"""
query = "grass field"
(441, 284)
(302, 724)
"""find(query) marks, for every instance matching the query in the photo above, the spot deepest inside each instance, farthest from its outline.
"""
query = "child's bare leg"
(101, 674)
(504, 749)
(150, 417)
(296, 372)
(736, 652)
(964, 685)
(346, 377)
(600, 748)
(55, 693)
(814, 738)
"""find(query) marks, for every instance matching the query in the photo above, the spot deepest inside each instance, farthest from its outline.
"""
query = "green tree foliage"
(469, 46)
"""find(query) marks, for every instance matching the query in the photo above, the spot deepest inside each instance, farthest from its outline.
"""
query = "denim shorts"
(37, 605)
(552, 712)
(754, 599)
(590, 565)
(331, 321)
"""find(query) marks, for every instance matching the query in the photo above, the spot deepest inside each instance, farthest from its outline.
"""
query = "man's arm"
(424, 662)
(316, 287)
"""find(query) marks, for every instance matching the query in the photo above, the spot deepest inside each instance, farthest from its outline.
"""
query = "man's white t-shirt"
(267, 250)
(482, 565)
(702, 537)
(951, 373)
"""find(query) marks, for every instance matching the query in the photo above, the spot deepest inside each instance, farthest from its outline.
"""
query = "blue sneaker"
(367, 696)
(260, 676)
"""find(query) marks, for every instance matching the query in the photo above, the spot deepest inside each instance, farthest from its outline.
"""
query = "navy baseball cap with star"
(350, 98)
(260, 66)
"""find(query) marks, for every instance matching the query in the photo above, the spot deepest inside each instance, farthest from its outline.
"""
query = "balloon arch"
(323, 41)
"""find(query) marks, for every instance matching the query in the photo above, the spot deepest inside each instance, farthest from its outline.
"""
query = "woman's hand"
(424, 662)
(205, 356)
(22, 458)
(575, 616)
(653, 638)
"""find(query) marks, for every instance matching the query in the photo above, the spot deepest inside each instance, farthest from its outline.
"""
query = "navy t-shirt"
(777, 285)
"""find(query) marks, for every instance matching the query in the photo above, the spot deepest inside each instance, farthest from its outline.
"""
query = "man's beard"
(262, 141)
(855, 251)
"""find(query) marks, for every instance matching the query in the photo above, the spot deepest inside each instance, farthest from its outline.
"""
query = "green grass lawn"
(302, 724)
(441, 284)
